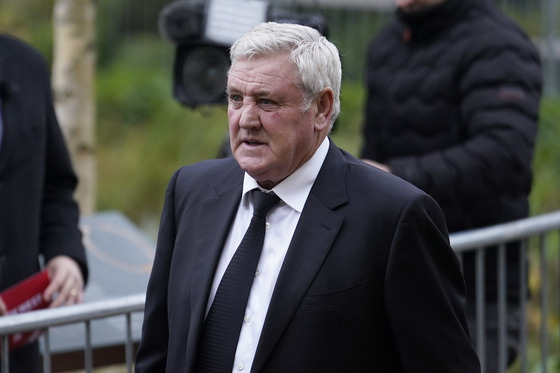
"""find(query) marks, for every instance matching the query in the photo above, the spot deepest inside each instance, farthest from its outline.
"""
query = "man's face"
(270, 136)
(416, 5)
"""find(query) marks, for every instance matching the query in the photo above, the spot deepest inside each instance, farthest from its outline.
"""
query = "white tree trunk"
(74, 62)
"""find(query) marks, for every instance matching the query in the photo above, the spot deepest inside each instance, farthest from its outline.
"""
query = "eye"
(235, 100)
(266, 103)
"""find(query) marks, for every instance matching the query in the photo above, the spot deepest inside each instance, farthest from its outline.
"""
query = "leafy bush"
(143, 135)
(546, 164)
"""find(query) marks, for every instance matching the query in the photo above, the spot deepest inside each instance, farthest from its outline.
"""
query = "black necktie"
(225, 318)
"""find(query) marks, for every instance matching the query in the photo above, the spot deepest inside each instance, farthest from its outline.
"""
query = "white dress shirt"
(280, 226)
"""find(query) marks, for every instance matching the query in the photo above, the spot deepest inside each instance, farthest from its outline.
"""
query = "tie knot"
(263, 202)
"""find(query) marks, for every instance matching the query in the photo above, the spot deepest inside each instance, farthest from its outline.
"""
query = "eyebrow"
(256, 93)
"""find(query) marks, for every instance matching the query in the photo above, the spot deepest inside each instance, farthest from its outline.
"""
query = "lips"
(252, 142)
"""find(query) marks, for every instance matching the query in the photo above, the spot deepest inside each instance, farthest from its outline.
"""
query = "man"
(38, 215)
(452, 107)
(356, 273)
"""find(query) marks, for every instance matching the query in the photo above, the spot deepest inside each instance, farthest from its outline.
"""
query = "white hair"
(316, 58)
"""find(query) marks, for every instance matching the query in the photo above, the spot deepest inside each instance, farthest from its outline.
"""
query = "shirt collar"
(294, 189)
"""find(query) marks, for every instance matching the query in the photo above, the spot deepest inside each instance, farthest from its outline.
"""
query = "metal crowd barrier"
(540, 228)
(82, 313)
(537, 237)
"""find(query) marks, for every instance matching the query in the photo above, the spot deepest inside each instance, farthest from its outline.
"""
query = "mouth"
(252, 143)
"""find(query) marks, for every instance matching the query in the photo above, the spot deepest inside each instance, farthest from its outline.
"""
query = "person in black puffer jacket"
(453, 92)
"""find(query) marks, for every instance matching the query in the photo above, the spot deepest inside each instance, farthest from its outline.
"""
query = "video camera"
(203, 31)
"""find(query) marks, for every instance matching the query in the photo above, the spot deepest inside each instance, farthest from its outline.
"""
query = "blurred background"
(142, 134)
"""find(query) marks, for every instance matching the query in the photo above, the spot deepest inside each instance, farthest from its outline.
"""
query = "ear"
(324, 102)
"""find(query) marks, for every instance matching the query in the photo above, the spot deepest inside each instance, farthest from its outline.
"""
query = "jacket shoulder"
(19, 50)
(372, 181)
(208, 175)
(495, 32)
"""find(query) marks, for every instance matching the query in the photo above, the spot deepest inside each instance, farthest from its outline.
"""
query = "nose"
(249, 117)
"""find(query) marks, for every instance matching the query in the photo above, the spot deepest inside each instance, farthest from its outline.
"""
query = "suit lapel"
(216, 219)
(314, 236)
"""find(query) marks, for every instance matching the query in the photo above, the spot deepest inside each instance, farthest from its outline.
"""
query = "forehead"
(263, 71)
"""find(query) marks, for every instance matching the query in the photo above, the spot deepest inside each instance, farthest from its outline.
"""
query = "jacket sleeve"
(498, 93)
(152, 352)
(425, 294)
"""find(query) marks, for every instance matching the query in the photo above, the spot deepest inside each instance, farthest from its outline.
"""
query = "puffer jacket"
(452, 107)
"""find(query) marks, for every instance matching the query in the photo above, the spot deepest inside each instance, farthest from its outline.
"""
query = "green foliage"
(117, 20)
(30, 20)
(109, 34)
(527, 15)
(143, 134)
(347, 129)
(546, 165)
(351, 31)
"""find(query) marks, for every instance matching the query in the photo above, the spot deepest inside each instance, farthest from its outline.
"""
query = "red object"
(25, 296)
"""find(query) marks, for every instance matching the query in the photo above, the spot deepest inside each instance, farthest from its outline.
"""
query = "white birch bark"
(74, 61)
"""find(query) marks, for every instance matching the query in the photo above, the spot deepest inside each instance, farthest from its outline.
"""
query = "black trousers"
(26, 359)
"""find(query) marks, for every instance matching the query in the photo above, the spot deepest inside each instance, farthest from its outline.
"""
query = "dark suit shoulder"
(374, 193)
(375, 181)
(213, 176)
(19, 51)
(23, 65)
(210, 170)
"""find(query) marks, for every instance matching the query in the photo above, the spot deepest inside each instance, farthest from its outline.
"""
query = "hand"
(66, 282)
(3, 309)
(381, 166)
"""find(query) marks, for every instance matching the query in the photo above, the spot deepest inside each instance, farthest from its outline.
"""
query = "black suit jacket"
(38, 214)
(369, 282)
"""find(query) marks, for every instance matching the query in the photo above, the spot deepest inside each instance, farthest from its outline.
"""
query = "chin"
(252, 165)
(249, 159)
